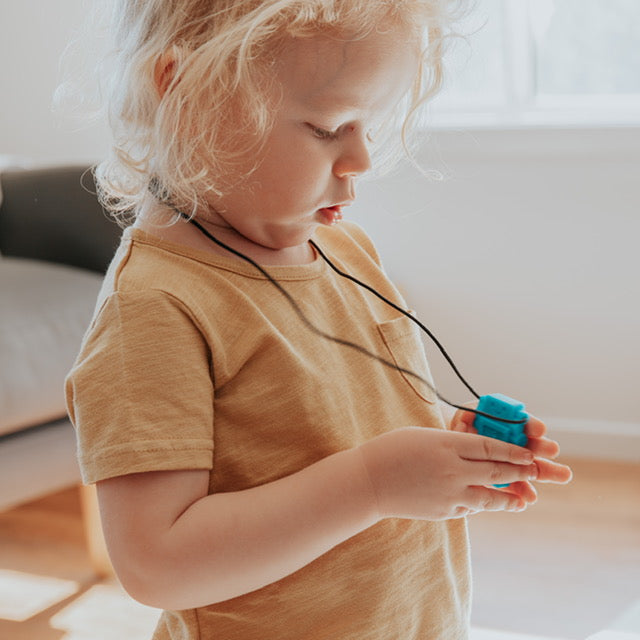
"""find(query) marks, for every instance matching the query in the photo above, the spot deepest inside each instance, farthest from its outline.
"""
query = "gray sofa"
(55, 244)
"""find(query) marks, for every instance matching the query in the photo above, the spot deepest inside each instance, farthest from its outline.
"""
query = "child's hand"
(542, 447)
(432, 474)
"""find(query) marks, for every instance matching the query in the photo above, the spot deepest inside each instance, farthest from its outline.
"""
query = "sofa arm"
(53, 214)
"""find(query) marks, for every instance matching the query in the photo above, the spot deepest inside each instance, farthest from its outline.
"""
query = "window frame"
(519, 106)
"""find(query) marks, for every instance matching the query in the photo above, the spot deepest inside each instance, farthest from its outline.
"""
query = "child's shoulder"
(146, 261)
(147, 272)
(139, 263)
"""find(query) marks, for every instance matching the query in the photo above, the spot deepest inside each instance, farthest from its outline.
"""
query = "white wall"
(525, 261)
(33, 35)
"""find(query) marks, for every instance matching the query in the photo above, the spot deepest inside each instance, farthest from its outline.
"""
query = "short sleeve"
(141, 392)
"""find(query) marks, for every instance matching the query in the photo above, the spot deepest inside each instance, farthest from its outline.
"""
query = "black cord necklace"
(348, 343)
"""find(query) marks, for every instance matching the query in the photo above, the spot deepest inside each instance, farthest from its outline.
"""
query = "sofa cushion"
(44, 311)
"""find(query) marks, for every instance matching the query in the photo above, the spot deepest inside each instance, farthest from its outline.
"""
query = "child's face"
(333, 94)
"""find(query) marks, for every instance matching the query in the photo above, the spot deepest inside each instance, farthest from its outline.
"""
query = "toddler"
(271, 458)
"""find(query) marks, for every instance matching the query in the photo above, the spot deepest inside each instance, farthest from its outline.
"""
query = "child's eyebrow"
(331, 102)
(349, 100)
(332, 105)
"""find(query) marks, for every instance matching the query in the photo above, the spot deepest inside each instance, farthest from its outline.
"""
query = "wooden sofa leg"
(93, 532)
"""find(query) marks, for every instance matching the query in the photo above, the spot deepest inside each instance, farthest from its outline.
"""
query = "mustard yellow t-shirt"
(196, 361)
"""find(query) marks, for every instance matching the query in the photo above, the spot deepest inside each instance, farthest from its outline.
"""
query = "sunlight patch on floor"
(629, 620)
(23, 595)
(625, 627)
(105, 612)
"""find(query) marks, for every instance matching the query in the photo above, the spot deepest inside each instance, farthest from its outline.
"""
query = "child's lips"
(331, 215)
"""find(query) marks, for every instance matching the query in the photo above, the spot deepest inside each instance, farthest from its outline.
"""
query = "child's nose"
(354, 158)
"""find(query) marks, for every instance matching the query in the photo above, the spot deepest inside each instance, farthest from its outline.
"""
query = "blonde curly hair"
(221, 51)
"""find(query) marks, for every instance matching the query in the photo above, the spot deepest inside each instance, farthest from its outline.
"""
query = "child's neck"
(185, 234)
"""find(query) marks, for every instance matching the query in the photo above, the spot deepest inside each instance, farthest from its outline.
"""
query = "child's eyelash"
(326, 134)
(323, 134)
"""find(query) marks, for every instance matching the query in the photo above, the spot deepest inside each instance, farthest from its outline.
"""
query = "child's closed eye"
(328, 134)
(323, 134)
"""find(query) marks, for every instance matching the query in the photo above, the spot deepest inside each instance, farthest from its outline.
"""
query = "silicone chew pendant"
(501, 406)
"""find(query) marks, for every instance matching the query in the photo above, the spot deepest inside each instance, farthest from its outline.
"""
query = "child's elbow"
(142, 592)
(155, 594)
(137, 585)
(146, 580)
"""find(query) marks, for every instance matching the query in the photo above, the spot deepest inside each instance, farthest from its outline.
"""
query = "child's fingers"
(549, 471)
(490, 473)
(477, 499)
(483, 448)
(543, 447)
(495, 462)
(524, 489)
(516, 497)
(535, 428)
(463, 420)
(540, 445)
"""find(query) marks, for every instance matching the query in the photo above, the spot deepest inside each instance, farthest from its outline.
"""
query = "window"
(544, 63)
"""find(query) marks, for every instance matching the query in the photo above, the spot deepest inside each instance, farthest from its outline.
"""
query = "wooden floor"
(566, 568)
(570, 565)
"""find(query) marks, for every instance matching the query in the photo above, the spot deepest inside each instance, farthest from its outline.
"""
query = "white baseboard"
(612, 634)
(596, 439)
(478, 633)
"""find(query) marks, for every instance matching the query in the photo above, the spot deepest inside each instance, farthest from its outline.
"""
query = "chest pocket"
(402, 339)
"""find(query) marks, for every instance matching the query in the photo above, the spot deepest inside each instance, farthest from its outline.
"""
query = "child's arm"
(173, 546)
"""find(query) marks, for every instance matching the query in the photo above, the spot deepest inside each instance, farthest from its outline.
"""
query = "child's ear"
(164, 71)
